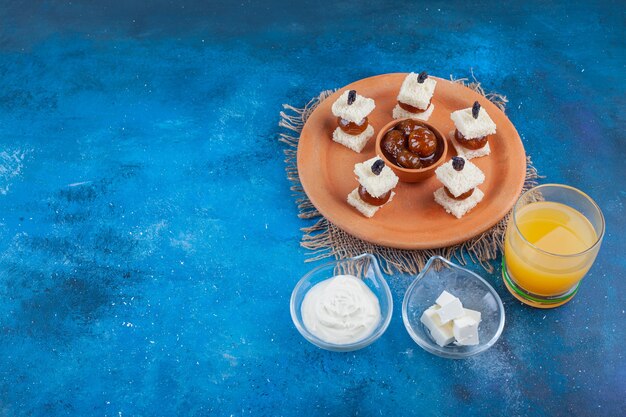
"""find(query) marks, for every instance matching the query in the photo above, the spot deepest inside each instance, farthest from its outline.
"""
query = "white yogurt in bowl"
(341, 310)
(344, 305)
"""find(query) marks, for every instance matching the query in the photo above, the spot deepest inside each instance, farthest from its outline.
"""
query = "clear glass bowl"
(364, 267)
(475, 293)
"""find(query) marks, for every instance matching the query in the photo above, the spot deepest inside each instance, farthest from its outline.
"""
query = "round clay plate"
(412, 220)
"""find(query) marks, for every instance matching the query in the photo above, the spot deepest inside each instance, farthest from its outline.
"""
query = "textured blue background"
(149, 240)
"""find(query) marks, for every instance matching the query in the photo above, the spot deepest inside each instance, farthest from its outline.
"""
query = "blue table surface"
(150, 242)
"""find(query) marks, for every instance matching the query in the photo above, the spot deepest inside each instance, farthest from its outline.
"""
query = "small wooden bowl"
(406, 174)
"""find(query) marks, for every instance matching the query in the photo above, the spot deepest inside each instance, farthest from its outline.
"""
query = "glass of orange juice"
(552, 240)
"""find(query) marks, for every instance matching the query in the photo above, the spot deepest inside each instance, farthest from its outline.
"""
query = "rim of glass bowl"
(568, 187)
(442, 351)
(350, 346)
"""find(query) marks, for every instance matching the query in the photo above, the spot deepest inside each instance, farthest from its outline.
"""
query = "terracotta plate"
(412, 220)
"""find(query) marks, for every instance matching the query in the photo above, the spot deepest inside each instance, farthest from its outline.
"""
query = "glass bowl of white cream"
(438, 275)
(344, 305)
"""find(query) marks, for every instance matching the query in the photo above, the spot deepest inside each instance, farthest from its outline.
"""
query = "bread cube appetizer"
(351, 110)
(473, 128)
(460, 192)
(415, 97)
(376, 182)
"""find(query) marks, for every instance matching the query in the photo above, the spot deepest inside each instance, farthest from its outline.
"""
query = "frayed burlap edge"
(324, 239)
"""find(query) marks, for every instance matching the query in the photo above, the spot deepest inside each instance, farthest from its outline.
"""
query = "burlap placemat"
(324, 239)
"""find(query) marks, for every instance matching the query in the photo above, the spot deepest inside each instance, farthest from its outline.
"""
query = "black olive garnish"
(351, 96)
(422, 77)
(475, 109)
(458, 163)
(377, 167)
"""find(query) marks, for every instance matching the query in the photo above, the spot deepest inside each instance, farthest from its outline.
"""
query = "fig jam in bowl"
(412, 148)
(344, 305)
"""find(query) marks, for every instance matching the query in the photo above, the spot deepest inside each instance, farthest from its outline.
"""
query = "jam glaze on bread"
(400, 113)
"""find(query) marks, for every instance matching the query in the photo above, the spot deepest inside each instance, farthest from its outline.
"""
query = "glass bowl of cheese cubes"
(452, 312)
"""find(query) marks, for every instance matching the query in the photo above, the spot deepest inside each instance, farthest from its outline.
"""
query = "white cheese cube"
(445, 298)
(429, 318)
(442, 333)
(472, 314)
(465, 330)
(450, 307)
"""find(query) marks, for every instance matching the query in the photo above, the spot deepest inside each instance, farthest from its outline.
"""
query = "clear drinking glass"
(552, 240)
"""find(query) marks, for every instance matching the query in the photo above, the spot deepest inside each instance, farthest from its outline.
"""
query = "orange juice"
(547, 256)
